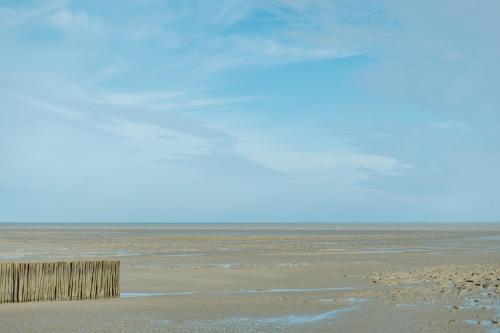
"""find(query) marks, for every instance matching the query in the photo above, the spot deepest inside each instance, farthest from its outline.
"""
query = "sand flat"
(269, 278)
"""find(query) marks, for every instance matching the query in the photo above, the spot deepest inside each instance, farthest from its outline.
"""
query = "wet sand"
(270, 278)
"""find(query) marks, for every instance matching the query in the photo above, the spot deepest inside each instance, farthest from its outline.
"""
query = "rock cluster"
(465, 290)
(449, 279)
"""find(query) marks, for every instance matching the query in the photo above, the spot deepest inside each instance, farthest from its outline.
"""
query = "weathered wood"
(63, 280)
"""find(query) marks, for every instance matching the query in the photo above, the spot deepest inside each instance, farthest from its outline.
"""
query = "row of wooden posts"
(50, 281)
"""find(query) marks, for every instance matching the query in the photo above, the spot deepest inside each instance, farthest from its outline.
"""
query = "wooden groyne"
(51, 281)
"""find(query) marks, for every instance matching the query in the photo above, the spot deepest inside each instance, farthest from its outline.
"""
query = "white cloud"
(15, 16)
(281, 154)
(68, 21)
(144, 99)
(153, 142)
(45, 105)
(166, 100)
(297, 162)
(453, 125)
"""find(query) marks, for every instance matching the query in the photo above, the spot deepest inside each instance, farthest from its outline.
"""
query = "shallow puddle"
(151, 294)
(280, 323)
(303, 319)
(235, 292)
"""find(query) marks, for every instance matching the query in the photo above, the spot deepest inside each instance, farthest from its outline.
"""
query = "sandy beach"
(269, 278)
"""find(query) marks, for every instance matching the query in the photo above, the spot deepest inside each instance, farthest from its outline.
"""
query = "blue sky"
(249, 111)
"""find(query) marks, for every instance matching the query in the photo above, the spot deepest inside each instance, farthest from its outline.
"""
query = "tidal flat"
(269, 277)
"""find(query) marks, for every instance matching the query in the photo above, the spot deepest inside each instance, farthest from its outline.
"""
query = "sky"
(249, 111)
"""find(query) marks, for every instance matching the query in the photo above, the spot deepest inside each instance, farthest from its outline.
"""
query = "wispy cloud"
(11, 17)
(175, 100)
(296, 161)
(67, 21)
(453, 125)
(155, 142)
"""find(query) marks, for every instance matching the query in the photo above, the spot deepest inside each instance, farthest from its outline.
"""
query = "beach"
(269, 277)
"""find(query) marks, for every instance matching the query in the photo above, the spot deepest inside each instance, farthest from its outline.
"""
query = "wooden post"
(62, 280)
